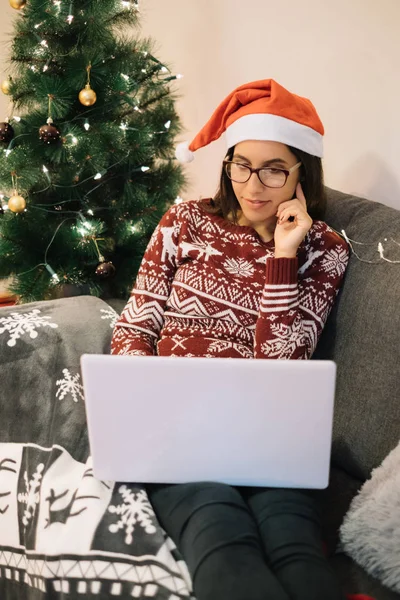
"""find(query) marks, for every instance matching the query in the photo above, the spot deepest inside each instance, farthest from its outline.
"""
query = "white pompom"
(183, 154)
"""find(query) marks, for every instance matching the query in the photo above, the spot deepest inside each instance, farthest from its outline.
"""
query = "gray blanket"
(63, 533)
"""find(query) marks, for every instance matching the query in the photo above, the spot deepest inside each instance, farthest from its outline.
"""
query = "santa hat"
(261, 110)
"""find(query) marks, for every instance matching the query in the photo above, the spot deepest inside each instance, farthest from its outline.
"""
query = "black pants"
(247, 543)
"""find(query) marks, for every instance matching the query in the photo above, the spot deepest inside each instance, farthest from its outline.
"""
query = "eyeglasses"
(269, 176)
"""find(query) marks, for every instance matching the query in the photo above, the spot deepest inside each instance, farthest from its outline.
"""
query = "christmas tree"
(86, 153)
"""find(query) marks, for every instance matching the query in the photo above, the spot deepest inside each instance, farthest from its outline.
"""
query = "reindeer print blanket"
(63, 533)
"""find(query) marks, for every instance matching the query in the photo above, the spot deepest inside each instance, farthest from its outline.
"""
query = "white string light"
(46, 172)
(167, 125)
(178, 200)
(87, 225)
(47, 65)
(53, 274)
(129, 5)
(144, 169)
(379, 248)
(70, 17)
(86, 125)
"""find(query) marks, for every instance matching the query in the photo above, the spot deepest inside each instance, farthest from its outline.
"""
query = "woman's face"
(258, 203)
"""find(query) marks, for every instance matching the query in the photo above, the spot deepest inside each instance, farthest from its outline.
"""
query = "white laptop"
(245, 422)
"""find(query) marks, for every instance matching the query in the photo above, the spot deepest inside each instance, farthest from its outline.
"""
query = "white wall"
(343, 55)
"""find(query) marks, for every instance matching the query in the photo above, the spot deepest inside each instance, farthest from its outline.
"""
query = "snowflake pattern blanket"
(63, 533)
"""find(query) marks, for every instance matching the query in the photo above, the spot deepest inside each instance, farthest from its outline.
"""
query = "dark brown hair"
(225, 203)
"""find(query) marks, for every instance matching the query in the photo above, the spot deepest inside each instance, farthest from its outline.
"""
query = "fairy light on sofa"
(379, 247)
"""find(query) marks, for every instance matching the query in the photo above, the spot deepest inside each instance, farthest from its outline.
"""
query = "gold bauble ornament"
(87, 96)
(17, 4)
(5, 86)
(17, 204)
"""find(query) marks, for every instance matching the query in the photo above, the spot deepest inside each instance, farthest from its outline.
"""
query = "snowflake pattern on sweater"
(207, 287)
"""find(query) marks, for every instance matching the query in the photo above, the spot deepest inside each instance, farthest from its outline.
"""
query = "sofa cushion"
(334, 502)
(362, 336)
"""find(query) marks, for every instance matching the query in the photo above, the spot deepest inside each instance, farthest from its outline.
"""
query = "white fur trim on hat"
(273, 128)
(183, 154)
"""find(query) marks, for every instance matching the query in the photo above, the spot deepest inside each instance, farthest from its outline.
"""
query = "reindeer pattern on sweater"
(207, 287)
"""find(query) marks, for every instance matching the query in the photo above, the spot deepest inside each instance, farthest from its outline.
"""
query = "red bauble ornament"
(49, 134)
(6, 132)
(105, 270)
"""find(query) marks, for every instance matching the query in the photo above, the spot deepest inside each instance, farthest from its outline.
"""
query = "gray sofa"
(362, 336)
(43, 423)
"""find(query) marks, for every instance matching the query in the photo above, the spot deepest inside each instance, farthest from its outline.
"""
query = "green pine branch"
(102, 187)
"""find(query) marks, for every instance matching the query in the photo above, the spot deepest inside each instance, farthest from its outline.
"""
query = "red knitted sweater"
(207, 287)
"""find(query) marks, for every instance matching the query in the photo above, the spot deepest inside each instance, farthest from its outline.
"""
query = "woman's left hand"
(289, 234)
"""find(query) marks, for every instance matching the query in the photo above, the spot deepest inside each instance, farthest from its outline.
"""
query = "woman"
(252, 273)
